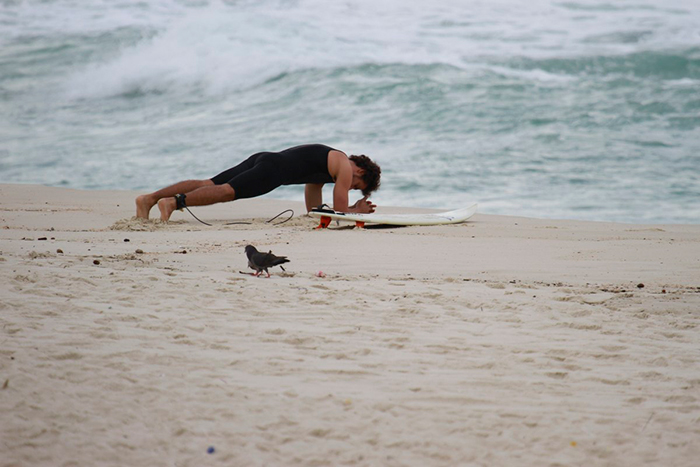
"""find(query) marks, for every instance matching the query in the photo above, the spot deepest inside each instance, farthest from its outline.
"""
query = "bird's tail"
(281, 260)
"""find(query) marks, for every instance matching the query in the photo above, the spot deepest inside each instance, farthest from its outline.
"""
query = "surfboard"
(448, 217)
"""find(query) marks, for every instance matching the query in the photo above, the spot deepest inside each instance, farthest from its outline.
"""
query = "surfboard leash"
(243, 222)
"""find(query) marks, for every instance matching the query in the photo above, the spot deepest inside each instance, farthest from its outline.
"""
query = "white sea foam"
(222, 47)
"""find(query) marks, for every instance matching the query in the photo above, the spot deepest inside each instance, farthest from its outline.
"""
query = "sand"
(500, 341)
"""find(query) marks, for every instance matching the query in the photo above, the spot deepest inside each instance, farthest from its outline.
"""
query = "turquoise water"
(582, 110)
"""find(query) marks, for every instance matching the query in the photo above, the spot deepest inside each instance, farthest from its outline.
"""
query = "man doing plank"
(312, 165)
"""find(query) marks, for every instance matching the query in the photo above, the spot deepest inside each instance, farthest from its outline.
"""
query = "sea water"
(585, 109)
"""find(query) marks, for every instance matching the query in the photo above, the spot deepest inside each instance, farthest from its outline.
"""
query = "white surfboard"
(447, 217)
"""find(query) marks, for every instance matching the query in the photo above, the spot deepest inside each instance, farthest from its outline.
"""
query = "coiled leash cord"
(243, 222)
(180, 203)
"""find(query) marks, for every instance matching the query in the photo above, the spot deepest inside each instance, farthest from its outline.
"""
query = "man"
(313, 165)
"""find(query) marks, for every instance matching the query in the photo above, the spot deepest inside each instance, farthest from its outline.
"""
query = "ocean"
(585, 109)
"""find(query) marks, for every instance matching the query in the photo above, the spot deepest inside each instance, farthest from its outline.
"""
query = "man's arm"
(313, 195)
(340, 191)
(340, 198)
(341, 170)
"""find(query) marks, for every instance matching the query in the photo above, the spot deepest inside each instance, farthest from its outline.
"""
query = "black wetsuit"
(263, 172)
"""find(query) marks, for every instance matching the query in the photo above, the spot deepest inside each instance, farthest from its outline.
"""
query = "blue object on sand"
(211, 450)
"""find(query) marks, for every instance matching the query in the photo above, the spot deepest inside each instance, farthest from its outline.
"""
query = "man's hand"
(363, 206)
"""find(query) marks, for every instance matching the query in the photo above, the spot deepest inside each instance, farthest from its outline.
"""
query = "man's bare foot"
(166, 206)
(144, 204)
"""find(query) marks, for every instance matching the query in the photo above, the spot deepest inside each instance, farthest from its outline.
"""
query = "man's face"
(357, 182)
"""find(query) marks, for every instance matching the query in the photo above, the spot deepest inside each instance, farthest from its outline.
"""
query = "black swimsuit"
(263, 172)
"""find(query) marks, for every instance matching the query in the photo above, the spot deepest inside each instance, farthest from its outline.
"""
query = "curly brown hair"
(372, 173)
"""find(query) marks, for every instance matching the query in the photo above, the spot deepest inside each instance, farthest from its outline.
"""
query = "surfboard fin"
(325, 222)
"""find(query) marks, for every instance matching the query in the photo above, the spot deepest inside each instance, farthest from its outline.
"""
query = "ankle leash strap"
(180, 201)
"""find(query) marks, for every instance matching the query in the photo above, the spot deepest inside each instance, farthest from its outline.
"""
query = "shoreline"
(498, 341)
(486, 247)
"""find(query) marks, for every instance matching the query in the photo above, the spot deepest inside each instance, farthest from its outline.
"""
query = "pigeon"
(261, 261)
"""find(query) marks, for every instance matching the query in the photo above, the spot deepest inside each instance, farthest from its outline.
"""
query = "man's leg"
(251, 178)
(202, 196)
(144, 203)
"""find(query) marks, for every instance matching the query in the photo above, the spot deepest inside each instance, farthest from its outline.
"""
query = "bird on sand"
(261, 261)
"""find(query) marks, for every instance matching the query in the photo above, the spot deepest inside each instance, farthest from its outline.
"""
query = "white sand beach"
(503, 341)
